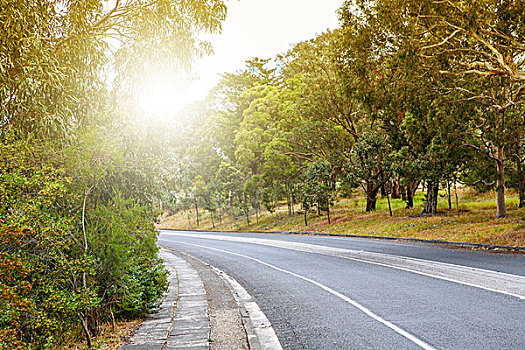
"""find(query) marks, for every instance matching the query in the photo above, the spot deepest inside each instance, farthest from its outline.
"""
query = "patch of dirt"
(341, 219)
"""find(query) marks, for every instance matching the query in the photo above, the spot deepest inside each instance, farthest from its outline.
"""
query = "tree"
(369, 165)
(90, 180)
(483, 44)
(327, 91)
(479, 44)
(50, 83)
(319, 187)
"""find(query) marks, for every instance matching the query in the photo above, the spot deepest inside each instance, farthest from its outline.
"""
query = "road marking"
(262, 327)
(498, 282)
(354, 303)
(260, 332)
(439, 277)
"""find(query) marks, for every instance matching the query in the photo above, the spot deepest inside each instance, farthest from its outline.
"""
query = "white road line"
(260, 332)
(368, 312)
(263, 329)
(439, 277)
(492, 281)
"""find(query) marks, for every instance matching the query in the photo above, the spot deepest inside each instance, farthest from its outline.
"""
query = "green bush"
(69, 258)
(41, 293)
(130, 277)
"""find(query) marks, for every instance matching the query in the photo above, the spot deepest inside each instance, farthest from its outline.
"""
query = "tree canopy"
(403, 94)
(79, 186)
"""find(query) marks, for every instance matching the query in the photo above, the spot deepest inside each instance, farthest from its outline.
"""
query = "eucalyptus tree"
(55, 54)
(319, 187)
(479, 45)
(440, 70)
(333, 85)
(63, 67)
(246, 127)
(266, 136)
(483, 45)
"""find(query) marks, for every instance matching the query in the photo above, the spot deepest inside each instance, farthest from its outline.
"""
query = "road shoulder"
(227, 328)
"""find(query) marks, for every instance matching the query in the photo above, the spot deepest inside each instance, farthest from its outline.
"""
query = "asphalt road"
(352, 293)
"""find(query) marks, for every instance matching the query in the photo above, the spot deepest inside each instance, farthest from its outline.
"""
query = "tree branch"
(477, 183)
(442, 42)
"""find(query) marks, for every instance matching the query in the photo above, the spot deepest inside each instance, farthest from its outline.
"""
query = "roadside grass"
(471, 219)
(108, 339)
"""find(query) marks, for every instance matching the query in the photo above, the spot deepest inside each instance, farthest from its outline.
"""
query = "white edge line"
(262, 327)
(368, 312)
(433, 276)
(382, 264)
(471, 268)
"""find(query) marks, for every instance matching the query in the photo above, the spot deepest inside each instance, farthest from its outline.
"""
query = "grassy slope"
(474, 221)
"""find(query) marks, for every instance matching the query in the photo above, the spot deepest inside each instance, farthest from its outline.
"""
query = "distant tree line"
(403, 94)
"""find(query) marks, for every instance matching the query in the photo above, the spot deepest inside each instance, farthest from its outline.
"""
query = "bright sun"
(162, 98)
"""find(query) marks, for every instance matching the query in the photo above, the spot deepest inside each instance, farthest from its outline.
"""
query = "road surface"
(353, 293)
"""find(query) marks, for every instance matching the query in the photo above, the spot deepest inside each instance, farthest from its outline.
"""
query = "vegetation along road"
(354, 293)
(402, 119)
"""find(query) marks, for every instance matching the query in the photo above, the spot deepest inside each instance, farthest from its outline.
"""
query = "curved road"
(353, 293)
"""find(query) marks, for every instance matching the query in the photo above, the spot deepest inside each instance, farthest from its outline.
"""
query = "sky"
(256, 28)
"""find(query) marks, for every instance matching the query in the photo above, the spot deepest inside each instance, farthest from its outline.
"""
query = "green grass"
(472, 220)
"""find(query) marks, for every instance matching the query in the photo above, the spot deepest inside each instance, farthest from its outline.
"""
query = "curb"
(259, 331)
(386, 238)
(182, 320)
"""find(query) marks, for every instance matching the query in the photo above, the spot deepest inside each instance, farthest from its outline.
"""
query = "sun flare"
(163, 98)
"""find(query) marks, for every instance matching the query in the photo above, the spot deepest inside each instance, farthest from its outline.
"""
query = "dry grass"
(471, 220)
(108, 339)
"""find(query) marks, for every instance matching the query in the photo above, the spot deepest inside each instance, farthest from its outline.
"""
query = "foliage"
(78, 189)
(41, 272)
(319, 187)
(403, 93)
(129, 277)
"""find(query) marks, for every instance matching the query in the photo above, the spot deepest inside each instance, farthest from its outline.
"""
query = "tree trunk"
(432, 198)
(113, 323)
(521, 184)
(396, 189)
(197, 212)
(449, 196)
(456, 194)
(293, 200)
(403, 192)
(84, 323)
(383, 190)
(212, 221)
(501, 211)
(305, 219)
(371, 197)
(409, 199)
(289, 200)
(410, 193)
